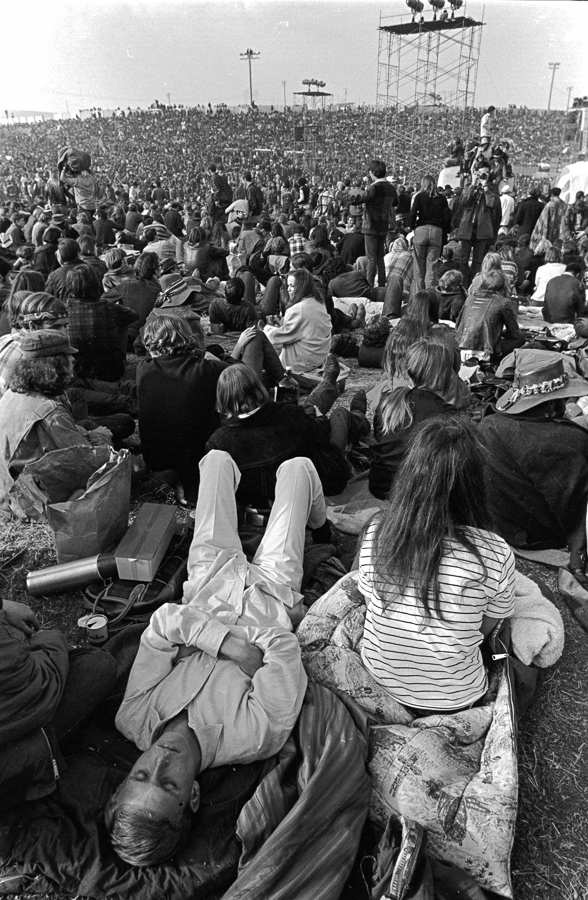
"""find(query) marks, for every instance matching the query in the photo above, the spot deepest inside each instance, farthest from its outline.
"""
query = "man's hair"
(47, 375)
(495, 282)
(574, 268)
(378, 168)
(83, 283)
(169, 335)
(87, 245)
(141, 838)
(197, 235)
(247, 176)
(555, 192)
(150, 235)
(451, 280)
(114, 258)
(38, 308)
(234, 290)
(491, 109)
(146, 265)
(69, 250)
(239, 390)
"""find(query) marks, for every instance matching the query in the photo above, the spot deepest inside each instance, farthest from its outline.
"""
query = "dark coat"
(565, 299)
(527, 215)
(176, 397)
(536, 475)
(33, 672)
(390, 448)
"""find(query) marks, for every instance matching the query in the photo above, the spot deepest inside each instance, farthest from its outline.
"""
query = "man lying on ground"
(219, 679)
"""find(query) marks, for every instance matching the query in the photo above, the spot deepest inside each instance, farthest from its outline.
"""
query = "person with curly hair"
(35, 416)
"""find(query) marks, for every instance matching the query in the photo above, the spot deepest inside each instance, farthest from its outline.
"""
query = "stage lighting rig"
(455, 4)
(416, 6)
(437, 5)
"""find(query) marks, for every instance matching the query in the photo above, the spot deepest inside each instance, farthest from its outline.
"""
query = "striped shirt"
(433, 663)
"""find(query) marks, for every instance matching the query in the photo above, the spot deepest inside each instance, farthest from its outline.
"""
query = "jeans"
(374, 250)
(260, 355)
(426, 248)
(465, 248)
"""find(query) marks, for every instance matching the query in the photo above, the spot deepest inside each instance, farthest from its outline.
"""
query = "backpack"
(255, 199)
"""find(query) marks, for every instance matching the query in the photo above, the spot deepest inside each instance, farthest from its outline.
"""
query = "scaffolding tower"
(309, 126)
(427, 73)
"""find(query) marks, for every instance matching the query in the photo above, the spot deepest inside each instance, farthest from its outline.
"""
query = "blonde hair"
(428, 365)
(166, 335)
(239, 390)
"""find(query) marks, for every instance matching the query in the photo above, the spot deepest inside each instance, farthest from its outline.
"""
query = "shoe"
(359, 318)
(331, 369)
(352, 311)
(359, 402)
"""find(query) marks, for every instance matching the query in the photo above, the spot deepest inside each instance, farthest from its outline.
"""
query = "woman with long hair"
(435, 579)
(304, 337)
(201, 255)
(429, 217)
(487, 325)
(426, 375)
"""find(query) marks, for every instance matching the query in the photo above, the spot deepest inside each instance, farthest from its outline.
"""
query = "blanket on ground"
(352, 509)
(288, 828)
(454, 774)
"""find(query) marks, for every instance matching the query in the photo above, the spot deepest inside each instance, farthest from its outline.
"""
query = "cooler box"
(140, 552)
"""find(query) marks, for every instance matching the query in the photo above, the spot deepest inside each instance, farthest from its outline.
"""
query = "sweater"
(303, 340)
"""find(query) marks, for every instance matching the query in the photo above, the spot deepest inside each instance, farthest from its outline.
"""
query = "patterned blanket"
(454, 774)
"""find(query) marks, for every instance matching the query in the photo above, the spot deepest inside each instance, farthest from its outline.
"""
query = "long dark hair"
(438, 493)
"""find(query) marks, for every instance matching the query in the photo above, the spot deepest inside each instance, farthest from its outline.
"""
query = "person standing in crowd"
(379, 200)
(429, 218)
(473, 219)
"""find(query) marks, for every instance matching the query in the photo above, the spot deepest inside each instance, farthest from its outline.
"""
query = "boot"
(331, 369)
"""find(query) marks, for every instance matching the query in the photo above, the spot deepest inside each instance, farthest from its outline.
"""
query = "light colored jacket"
(304, 337)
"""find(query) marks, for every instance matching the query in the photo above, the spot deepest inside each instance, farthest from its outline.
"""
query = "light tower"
(249, 55)
(309, 130)
(426, 66)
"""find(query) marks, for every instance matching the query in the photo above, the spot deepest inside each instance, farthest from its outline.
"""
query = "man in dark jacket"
(46, 693)
(378, 202)
(527, 213)
(68, 256)
(565, 297)
(536, 467)
(473, 218)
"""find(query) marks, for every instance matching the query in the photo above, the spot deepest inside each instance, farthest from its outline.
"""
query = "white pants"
(298, 501)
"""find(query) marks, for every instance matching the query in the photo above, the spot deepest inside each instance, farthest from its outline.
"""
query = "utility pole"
(554, 67)
(284, 86)
(570, 89)
(168, 95)
(249, 55)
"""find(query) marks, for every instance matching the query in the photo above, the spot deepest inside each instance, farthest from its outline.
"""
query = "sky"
(111, 53)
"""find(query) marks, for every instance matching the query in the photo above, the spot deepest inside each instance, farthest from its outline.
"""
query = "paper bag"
(96, 521)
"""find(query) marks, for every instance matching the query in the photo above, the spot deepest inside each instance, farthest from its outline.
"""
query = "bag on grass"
(83, 492)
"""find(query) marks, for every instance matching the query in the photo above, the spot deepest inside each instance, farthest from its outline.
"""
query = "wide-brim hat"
(175, 291)
(319, 261)
(540, 376)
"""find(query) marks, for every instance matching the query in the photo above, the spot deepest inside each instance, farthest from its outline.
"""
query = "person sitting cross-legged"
(217, 679)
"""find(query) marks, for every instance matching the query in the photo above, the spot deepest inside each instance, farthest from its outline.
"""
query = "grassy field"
(550, 859)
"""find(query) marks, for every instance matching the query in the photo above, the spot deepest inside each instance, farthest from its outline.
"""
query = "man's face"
(162, 779)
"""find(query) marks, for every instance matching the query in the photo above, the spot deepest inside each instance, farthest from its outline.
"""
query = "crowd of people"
(154, 248)
(177, 143)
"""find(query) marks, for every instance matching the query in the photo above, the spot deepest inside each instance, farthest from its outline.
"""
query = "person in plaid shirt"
(399, 261)
(97, 327)
(297, 241)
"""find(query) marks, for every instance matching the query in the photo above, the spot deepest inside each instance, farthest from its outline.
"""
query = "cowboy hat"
(539, 376)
